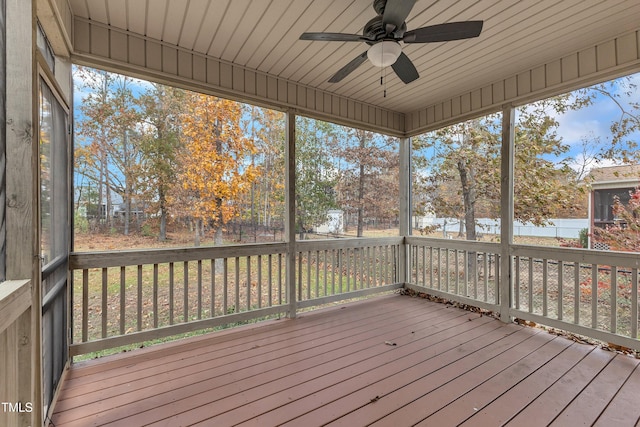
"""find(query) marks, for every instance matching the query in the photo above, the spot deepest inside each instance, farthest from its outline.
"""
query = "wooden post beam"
(405, 206)
(506, 210)
(290, 212)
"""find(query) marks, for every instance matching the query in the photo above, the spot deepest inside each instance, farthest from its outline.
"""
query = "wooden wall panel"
(627, 48)
(587, 61)
(185, 64)
(169, 60)
(117, 50)
(153, 55)
(137, 53)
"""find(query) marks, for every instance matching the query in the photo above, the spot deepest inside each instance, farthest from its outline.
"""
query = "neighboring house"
(607, 184)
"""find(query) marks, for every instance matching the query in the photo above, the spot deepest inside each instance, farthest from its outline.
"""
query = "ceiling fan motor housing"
(375, 30)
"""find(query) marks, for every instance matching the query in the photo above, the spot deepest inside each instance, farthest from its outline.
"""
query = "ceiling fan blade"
(395, 13)
(444, 32)
(349, 68)
(332, 37)
(405, 69)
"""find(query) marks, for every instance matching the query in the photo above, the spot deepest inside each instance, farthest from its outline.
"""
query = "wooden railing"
(331, 270)
(588, 292)
(126, 297)
(15, 353)
(468, 272)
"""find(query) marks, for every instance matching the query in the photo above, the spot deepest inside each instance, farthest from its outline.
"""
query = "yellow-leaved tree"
(214, 167)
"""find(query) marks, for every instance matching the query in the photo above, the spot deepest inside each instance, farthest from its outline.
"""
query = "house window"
(603, 202)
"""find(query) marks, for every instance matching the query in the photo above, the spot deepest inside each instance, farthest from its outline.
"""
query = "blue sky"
(593, 123)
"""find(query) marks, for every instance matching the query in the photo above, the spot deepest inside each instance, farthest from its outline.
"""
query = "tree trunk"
(197, 228)
(467, 180)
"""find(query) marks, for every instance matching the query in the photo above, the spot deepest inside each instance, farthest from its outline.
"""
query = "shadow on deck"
(390, 361)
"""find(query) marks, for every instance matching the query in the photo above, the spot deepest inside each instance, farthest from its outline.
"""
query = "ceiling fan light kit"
(384, 53)
(385, 32)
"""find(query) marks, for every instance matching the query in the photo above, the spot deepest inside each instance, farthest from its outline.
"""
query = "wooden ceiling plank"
(255, 11)
(175, 21)
(156, 15)
(322, 24)
(284, 21)
(136, 16)
(232, 18)
(97, 11)
(117, 13)
(210, 25)
(194, 20)
(262, 30)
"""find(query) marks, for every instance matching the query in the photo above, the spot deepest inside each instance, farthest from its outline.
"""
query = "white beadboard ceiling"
(263, 35)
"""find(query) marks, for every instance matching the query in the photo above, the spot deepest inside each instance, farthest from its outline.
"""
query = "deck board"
(336, 367)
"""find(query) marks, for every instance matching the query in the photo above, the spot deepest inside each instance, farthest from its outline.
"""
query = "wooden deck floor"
(388, 361)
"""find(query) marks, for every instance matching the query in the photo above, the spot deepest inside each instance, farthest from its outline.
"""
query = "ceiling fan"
(385, 32)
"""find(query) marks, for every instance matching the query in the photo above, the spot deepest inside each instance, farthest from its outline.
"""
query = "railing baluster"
(516, 285)
(199, 279)
(487, 273)
(299, 276)
(456, 283)
(423, 266)
(431, 266)
(155, 295)
(171, 302)
(333, 271)
(225, 286)
(85, 304)
(530, 286)
(447, 270)
(279, 279)
(213, 288)
(386, 264)
(560, 288)
(123, 299)
(308, 275)
(236, 266)
(324, 277)
(371, 255)
(634, 303)
(185, 295)
(613, 290)
(249, 284)
(594, 296)
(139, 302)
(348, 273)
(576, 293)
(340, 261)
(545, 286)
(259, 285)
(317, 273)
(359, 269)
(105, 307)
(270, 280)
(439, 268)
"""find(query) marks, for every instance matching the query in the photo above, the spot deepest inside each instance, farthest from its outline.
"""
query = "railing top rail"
(351, 242)
(467, 245)
(587, 256)
(82, 260)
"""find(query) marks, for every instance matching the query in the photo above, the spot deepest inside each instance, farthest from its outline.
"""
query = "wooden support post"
(21, 203)
(290, 212)
(405, 206)
(506, 210)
